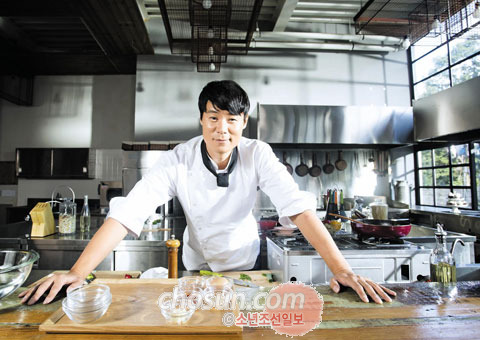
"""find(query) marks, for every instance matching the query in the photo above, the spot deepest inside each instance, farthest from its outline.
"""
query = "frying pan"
(382, 228)
(340, 164)
(315, 170)
(287, 165)
(301, 169)
(328, 167)
(389, 229)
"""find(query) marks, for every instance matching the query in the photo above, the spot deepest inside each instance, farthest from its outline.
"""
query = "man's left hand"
(362, 286)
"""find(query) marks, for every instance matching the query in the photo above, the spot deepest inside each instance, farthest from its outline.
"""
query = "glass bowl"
(86, 316)
(221, 298)
(15, 267)
(88, 297)
(192, 281)
(87, 303)
(219, 282)
(175, 311)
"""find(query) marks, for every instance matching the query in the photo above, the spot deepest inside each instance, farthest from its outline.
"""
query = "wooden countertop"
(421, 311)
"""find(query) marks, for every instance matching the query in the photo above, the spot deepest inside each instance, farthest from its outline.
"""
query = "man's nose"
(222, 125)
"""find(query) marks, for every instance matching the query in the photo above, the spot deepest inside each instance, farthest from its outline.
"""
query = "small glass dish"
(87, 303)
(192, 281)
(187, 291)
(219, 282)
(222, 298)
(175, 311)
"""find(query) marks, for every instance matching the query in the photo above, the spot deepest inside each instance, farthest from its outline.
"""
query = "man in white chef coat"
(215, 177)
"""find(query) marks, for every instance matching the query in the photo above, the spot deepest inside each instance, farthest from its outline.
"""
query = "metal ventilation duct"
(209, 33)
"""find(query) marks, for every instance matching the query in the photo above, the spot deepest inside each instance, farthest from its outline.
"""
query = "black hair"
(224, 95)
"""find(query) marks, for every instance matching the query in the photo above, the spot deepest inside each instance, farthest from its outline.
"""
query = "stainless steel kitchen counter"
(60, 252)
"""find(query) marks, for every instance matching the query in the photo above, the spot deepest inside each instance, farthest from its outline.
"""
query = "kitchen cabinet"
(34, 163)
(70, 163)
(53, 163)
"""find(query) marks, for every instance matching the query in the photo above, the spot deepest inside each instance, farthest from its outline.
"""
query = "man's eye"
(213, 118)
(233, 119)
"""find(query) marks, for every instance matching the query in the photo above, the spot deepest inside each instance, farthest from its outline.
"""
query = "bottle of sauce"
(172, 245)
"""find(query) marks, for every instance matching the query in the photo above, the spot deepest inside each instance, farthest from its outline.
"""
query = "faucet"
(455, 244)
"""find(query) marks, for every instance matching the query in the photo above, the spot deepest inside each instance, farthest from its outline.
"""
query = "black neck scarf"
(222, 178)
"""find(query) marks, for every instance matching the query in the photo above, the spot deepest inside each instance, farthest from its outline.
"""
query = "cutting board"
(134, 310)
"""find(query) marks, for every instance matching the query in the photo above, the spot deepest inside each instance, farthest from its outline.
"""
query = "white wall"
(68, 111)
(167, 107)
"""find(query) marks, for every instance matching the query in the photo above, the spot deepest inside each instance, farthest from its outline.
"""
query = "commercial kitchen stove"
(292, 258)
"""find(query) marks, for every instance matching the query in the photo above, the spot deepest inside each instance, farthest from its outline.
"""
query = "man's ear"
(245, 121)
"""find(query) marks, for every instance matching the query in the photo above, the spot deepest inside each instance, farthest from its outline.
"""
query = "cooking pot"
(390, 229)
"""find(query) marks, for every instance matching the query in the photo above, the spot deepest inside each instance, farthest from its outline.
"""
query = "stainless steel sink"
(425, 236)
(469, 272)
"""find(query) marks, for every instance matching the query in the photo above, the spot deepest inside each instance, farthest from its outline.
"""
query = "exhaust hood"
(356, 125)
(449, 112)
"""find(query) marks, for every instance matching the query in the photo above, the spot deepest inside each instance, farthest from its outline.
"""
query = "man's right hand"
(54, 282)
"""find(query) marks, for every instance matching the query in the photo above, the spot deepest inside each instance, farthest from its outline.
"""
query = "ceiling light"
(210, 33)
(476, 12)
(212, 67)
(406, 43)
(436, 24)
(207, 4)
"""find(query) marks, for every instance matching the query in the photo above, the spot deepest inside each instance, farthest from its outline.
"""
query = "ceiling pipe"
(356, 38)
(347, 46)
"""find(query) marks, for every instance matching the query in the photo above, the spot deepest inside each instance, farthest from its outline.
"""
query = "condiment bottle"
(85, 216)
(442, 264)
(172, 245)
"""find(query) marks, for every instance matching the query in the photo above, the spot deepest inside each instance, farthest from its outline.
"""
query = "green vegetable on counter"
(245, 277)
(209, 273)
(268, 276)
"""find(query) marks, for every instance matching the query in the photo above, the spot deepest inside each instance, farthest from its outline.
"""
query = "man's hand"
(55, 282)
(362, 286)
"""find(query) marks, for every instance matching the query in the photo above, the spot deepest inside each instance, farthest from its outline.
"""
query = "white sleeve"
(279, 185)
(155, 188)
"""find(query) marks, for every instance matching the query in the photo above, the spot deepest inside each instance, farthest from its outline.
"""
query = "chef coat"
(221, 231)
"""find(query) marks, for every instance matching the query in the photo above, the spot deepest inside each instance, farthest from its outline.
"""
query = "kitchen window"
(444, 59)
(448, 168)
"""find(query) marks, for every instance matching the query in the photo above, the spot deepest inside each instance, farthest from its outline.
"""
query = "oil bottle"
(442, 264)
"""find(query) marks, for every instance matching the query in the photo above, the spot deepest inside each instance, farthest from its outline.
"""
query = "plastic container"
(87, 303)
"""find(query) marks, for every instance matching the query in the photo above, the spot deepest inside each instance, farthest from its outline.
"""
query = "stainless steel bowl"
(15, 266)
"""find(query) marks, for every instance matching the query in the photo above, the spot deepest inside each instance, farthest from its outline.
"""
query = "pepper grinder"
(172, 245)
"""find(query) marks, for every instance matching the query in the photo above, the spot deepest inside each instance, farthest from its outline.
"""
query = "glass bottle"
(85, 216)
(442, 264)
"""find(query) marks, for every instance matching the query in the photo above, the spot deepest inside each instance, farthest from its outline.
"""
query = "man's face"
(221, 130)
